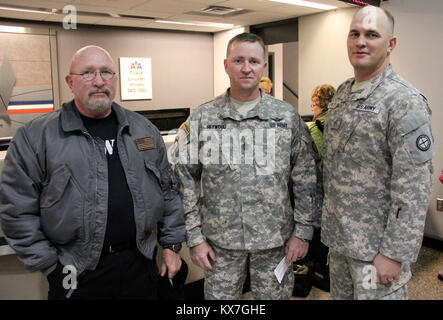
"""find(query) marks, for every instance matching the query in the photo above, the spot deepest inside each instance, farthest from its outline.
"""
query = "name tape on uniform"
(368, 108)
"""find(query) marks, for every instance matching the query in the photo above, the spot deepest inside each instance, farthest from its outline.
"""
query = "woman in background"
(320, 98)
(266, 84)
(313, 270)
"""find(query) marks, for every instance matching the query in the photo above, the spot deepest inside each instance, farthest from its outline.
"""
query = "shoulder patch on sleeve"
(183, 132)
(423, 142)
(419, 140)
(414, 128)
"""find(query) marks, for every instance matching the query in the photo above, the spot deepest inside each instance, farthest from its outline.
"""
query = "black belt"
(113, 248)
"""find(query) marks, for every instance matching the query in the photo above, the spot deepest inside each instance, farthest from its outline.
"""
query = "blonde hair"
(322, 95)
(246, 37)
(266, 84)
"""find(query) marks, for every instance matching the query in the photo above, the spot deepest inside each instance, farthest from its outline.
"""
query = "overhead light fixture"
(309, 4)
(28, 9)
(12, 29)
(202, 24)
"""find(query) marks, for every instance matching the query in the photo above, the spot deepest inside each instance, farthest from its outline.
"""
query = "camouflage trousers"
(353, 279)
(225, 281)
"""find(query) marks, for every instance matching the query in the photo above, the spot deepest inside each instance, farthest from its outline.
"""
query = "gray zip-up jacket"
(54, 189)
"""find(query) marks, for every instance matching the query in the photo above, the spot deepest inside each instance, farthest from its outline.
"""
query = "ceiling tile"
(259, 17)
(204, 2)
(80, 19)
(94, 8)
(156, 25)
(146, 13)
(122, 22)
(190, 17)
(252, 5)
(171, 6)
(126, 4)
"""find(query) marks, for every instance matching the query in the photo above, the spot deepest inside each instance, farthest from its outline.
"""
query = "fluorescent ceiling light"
(27, 10)
(203, 24)
(12, 29)
(309, 4)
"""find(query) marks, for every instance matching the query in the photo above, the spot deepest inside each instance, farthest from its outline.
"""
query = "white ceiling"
(260, 11)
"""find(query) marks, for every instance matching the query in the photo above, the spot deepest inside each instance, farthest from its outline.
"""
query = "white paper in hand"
(281, 270)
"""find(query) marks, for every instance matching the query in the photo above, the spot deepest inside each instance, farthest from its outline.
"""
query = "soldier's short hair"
(390, 19)
(246, 37)
(388, 15)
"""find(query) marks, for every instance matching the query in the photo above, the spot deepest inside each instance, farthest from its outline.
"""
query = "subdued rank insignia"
(423, 142)
(145, 143)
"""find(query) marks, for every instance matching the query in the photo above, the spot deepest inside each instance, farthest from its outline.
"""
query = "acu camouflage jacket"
(235, 173)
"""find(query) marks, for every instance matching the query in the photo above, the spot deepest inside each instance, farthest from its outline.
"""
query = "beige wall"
(322, 53)
(323, 58)
(182, 62)
(290, 72)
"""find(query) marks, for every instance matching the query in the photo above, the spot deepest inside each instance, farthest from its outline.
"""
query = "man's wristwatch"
(176, 247)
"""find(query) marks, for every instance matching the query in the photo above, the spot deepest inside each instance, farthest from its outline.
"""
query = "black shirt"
(120, 227)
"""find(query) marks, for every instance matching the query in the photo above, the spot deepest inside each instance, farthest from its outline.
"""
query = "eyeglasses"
(89, 76)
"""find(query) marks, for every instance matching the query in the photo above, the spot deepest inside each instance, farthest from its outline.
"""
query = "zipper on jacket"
(88, 136)
(124, 166)
(90, 237)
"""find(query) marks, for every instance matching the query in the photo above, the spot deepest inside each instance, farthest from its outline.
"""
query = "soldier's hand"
(200, 255)
(296, 249)
(388, 270)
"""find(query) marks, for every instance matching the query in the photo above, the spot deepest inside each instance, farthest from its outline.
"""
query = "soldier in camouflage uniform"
(378, 150)
(234, 159)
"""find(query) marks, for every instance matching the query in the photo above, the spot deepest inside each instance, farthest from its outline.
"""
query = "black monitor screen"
(375, 3)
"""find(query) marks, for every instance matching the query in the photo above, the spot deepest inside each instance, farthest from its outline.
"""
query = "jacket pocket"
(153, 171)
(153, 195)
(62, 207)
